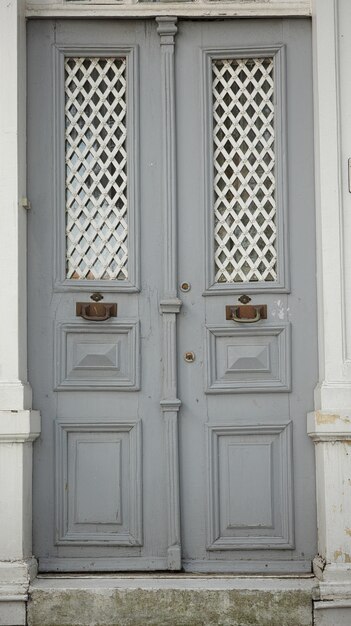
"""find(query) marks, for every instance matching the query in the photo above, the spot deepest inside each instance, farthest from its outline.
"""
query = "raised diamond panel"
(245, 229)
(91, 358)
(248, 358)
(96, 356)
(96, 168)
(240, 360)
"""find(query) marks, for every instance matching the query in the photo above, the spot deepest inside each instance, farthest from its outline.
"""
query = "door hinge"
(24, 202)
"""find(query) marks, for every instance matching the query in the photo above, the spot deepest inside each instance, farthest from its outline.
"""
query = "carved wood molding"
(170, 304)
(209, 8)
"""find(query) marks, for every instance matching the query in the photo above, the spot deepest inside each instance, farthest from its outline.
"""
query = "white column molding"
(330, 425)
(331, 433)
(332, 437)
(14, 389)
(328, 205)
(19, 426)
(18, 429)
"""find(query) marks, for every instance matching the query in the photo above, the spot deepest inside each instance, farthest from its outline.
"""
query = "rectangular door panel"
(102, 459)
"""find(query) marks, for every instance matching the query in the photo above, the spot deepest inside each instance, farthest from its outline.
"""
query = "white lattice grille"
(244, 164)
(96, 168)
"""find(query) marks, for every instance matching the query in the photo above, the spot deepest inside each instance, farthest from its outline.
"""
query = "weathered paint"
(340, 556)
(109, 8)
(328, 418)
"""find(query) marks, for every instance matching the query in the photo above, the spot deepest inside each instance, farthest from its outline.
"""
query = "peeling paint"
(280, 310)
(336, 508)
(340, 556)
(329, 418)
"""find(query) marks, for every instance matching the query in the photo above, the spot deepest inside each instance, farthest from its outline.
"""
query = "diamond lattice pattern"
(96, 168)
(244, 164)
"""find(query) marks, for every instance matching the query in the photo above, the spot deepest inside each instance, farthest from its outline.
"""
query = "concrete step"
(170, 600)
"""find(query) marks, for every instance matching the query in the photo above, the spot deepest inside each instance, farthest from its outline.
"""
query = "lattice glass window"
(245, 230)
(96, 168)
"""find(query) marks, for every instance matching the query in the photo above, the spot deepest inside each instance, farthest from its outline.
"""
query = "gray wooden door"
(246, 228)
(94, 149)
(124, 478)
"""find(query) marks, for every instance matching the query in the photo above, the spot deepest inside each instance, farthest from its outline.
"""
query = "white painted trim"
(331, 433)
(328, 204)
(19, 426)
(329, 426)
(233, 8)
(327, 606)
(329, 590)
(342, 20)
(15, 395)
(14, 577)
(14, 388)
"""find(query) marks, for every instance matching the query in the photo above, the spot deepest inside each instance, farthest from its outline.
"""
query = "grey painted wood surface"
(210, 480)
(246, 477)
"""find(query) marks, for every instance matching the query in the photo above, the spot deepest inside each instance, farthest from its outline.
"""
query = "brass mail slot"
(96, 311)
(246, 313)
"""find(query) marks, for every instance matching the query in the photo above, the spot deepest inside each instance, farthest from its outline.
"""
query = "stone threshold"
(171, 600)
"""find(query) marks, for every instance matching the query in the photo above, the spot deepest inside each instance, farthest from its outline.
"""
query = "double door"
(172, 321)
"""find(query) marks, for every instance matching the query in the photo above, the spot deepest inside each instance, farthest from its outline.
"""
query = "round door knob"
(185, 286)
(189, 357)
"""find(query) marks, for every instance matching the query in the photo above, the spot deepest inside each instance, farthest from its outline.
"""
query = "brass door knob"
(189, 357)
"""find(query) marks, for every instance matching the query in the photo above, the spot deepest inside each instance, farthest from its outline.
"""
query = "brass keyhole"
(189, 357)
(96, 296)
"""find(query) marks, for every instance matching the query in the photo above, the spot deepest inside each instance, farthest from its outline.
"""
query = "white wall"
(18, 425)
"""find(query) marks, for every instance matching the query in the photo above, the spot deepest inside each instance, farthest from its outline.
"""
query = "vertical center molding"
(170, 304)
